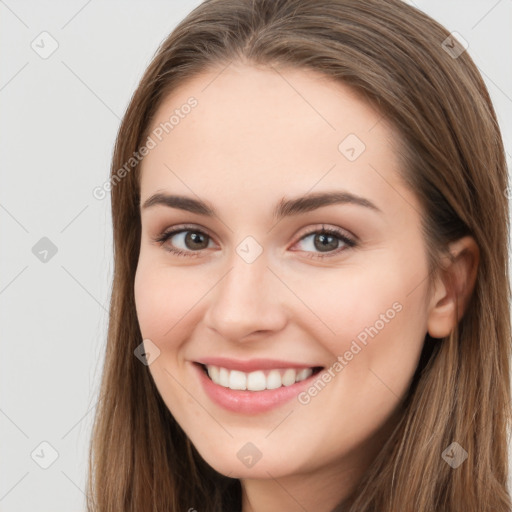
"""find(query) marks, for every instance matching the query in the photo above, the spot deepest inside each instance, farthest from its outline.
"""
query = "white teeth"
(303, 374)
(274, 380)
(214, 373)
(289, 377)
(257, 380)
(223, 377)
(237, 380)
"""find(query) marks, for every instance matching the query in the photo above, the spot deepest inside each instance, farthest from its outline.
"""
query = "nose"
(247, 302)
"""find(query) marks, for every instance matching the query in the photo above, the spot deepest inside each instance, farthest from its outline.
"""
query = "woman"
(310, 307)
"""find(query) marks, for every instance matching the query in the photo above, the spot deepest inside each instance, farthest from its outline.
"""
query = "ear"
(454, 286)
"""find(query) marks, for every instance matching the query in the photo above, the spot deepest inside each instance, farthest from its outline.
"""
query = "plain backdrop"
(59, 117)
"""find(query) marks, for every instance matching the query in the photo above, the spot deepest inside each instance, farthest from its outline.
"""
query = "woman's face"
(259, 293)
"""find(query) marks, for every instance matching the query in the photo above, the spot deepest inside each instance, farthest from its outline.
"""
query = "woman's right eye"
(193, 238)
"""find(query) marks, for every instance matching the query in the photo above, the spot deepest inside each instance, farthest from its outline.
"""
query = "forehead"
(269, 131)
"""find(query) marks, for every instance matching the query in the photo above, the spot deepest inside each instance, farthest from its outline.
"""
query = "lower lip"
(251, 402)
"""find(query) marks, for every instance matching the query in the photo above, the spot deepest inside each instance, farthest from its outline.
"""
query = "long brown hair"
(406, 65)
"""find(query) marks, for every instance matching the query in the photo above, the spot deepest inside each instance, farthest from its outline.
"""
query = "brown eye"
(326, 240)
(195, 240)
(184, 242)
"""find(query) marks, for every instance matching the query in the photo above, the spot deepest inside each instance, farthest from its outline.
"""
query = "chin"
(248, 462)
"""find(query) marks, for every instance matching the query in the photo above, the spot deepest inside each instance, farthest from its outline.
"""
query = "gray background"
(59, 120)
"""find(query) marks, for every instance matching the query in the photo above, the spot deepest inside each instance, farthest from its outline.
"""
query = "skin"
(259, 135)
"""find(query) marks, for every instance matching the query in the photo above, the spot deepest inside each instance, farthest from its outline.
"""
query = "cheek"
(352, 303)
(164, 308)
(372, 321)
(170, 303)
(160, 300)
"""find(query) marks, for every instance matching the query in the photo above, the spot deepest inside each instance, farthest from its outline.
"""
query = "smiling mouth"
(258, 380)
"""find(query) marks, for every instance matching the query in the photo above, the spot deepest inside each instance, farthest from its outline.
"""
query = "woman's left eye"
(327, 240)
(324, 240)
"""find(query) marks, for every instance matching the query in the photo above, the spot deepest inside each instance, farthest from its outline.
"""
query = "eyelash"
(166, 235)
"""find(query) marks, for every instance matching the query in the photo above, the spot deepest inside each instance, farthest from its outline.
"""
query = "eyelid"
(326, 228)
(184, 227)
(306, 231)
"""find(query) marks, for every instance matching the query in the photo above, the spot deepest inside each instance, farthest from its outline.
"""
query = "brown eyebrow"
(285, 208)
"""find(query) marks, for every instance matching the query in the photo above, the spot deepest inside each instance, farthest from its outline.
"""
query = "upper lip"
(252, 364)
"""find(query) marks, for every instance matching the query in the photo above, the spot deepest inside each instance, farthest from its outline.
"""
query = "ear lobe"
(454, 286)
